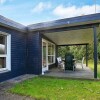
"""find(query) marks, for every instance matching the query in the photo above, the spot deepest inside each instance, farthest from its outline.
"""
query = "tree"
(80, 50)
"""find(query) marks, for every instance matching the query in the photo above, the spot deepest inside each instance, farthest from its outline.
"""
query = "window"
(48, 53)
(51, 53)
(4, 51)
(44, 54)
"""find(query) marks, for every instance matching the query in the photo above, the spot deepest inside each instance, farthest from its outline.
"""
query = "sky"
(35, 11)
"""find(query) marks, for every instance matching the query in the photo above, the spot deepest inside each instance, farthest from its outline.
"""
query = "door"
(44, 56)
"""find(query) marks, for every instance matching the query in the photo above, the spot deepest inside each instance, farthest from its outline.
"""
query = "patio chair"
(80, 62)
(60, 63)
(69, 62)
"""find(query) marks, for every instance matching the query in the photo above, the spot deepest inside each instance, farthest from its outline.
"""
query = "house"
(32, 49)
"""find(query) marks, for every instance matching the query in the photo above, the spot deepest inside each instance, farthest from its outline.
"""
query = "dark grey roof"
(12, 24)
(80, 20)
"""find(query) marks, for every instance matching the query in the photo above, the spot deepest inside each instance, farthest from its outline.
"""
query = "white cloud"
(72, 11)
(41, 6)
(2, 1)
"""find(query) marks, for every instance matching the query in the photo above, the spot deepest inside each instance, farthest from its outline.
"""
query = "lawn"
(49, 88)
(91, 65)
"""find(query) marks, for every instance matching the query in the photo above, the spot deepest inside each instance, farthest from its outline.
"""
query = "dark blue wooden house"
(33, 49)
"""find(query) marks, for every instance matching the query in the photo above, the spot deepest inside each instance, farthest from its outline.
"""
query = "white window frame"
(52, 55)
(8, 52)
(43, 40)
(45, 68)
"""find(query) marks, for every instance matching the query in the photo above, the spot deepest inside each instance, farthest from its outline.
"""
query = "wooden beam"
(73, 44)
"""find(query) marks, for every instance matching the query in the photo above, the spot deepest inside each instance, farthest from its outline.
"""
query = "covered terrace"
(81, 30)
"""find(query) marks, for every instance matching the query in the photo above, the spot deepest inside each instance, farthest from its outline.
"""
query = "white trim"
(3, 69)
(47, 64)
(54, 53)
(44, 68)
(1, 55)
(50, 55)
(8, 53)
(3, 33)
(8, 59)
(47, 56)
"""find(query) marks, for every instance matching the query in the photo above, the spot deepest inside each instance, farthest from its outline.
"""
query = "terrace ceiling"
(79, 36)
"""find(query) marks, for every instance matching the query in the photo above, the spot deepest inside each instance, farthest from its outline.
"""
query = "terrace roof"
(75, 30)
(67, 22)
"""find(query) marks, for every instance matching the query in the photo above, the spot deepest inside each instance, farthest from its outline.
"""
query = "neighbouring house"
(32, 49)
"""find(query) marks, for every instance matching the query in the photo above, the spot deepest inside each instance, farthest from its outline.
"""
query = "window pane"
(44, 54)
(2, 44)
(49, 49)
(52, 49)
(50, 59)
(2, 62)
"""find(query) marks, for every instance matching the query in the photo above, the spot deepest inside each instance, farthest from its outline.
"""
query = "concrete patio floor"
(85, 73)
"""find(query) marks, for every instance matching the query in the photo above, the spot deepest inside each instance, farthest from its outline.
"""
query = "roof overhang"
(67, 22)
(60, 25)
(76, 30)
(11, 24)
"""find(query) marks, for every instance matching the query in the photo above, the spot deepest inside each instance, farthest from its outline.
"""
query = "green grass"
(46, 88)
(91, 65)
